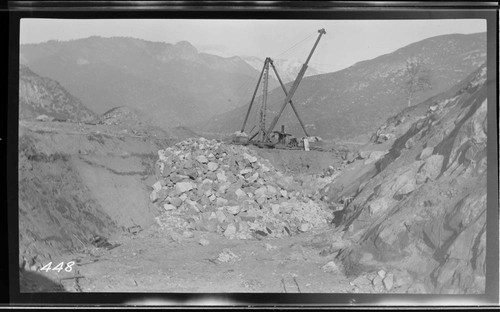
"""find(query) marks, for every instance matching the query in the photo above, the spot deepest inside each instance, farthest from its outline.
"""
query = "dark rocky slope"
(424, 210)
(44, 96)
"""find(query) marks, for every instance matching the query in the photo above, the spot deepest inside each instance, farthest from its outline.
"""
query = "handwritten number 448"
(59, 267)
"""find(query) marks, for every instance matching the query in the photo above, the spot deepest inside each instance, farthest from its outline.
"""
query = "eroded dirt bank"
(79, 181)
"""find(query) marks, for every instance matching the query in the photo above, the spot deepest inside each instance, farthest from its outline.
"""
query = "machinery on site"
(262, 137)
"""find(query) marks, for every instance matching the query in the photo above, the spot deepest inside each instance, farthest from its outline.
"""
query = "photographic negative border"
(249, 10)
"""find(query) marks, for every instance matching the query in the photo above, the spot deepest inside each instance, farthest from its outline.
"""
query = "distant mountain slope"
(133, 121)
(287, 68)
(39, 95)
(121, 115)
(172, 84)
(356, 100)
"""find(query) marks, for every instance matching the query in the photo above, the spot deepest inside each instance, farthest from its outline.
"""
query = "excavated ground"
(157, 260)
(139, 213)
(95, 182)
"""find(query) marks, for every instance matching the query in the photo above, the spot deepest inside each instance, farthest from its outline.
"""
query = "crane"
(264, 134)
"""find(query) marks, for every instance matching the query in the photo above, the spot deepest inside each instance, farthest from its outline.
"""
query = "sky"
(346, 41)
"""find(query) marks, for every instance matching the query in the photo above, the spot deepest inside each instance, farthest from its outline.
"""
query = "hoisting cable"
(295, 45)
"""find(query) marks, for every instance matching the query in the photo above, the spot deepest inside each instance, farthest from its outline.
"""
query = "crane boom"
(291, 103)
(294, 86)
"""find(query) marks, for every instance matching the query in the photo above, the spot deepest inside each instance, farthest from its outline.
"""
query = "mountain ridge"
(355, 100)
(288, 69)
(171, 83)
(44, 96)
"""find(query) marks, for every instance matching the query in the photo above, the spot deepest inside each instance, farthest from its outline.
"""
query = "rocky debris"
(134, 229)
(30, 265)
(392, 188)
(182, 187)
(240, 134)
(175, 237)
(102, 242)
(228, 256)
(169, 207)
(239, 137)
(269, 246)
(44, 118)
(377, 284)
(418, 288)
(330, 171)
(172, 220)
(371, 156)
(204, 242)
(349, 156)
(426, 152)
(392, 128)
(211, 166)
(375, 156)
(430, 169)
(230, 230)
(202, 159)
(188, 234)
(120, 115)
(330, 267)
(364, 154)
(398, 281)
(228, 189)
(382, 137)
(388, 281)
(361, 281)
(304, 227)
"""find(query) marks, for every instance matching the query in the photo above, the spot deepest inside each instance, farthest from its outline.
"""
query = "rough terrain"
(422, 206)
(102, 186)
(135, 208)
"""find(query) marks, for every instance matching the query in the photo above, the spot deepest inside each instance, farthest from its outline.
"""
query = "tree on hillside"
(417, 77)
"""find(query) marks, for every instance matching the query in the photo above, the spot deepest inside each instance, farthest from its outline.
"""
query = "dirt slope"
(77, 181)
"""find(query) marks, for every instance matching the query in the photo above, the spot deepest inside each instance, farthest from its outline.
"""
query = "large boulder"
(183, 187)
(430, 169)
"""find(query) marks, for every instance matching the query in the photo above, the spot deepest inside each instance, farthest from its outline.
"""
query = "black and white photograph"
(330, 156)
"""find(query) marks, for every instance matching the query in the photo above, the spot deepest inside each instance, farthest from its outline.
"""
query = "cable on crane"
(295, 45)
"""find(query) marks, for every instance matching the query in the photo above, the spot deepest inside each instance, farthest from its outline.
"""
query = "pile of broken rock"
(211, 186)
